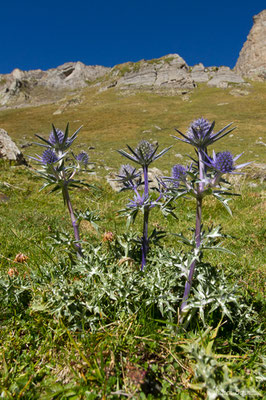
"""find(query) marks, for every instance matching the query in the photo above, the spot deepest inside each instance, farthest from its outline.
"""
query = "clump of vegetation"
(2, 81)
(143, 155)
(168, 60)
(123, 68)
(204, 177)
(59, 169)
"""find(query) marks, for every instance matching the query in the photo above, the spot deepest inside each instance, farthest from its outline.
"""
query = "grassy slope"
(111, 120)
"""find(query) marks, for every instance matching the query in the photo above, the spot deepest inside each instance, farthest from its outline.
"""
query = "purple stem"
(201, 170)
(197, 232)
(216, 179)
(73, 220)
(192, 267)
(145, 241)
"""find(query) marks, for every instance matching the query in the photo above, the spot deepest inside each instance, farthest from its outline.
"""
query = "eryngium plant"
(143, 155)
(58, 168)
(203, 177)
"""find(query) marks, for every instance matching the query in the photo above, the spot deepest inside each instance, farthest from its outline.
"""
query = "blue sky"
(44, 35)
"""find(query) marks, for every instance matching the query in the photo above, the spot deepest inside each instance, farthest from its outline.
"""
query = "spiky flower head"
(138, 201)
(224, 162)
(129, 177)
(60, 137)
(58, 140)
(199, 128)
(145, 150)
(48, 157)
(144, 154)
(200, 133)
(126, 171)
(83, 157)
(179, 172)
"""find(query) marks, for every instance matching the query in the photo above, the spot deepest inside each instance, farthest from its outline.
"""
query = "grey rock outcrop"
(169, 72)
(223, 77)
(199, 73)
(252, 58)
(9, 150)
(14, 86)
(72, 75)
(22, 87)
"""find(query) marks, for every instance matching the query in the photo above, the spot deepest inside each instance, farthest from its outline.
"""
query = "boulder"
(9, 150)
(252, 57)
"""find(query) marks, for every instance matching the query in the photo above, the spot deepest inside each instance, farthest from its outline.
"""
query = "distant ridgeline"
(169, 73)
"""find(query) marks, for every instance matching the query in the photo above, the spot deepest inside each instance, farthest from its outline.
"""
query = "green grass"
(138, 355)
(129, 116)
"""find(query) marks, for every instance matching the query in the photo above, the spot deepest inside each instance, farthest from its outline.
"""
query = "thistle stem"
(197, 234)
(73, 220)
(146, 181)
(201, 170)
(192, 267)
(145, 240)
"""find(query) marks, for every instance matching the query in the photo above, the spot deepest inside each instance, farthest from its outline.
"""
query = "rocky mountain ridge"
(172, 72)
(169, 74)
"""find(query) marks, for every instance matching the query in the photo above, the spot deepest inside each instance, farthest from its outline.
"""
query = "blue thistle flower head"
(179, 172)
(60, 136)
(126, 171)
(58, 139)
(200, 133)
(83, 157)
(137, 202)
(199, 129)
(48, 157)
(145, 150)
(144, 154)
(224, 162)
(128, 176)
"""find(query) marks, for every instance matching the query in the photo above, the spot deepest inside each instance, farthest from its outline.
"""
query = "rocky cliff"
(252, 58)
(19, 87)
(169, 74)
